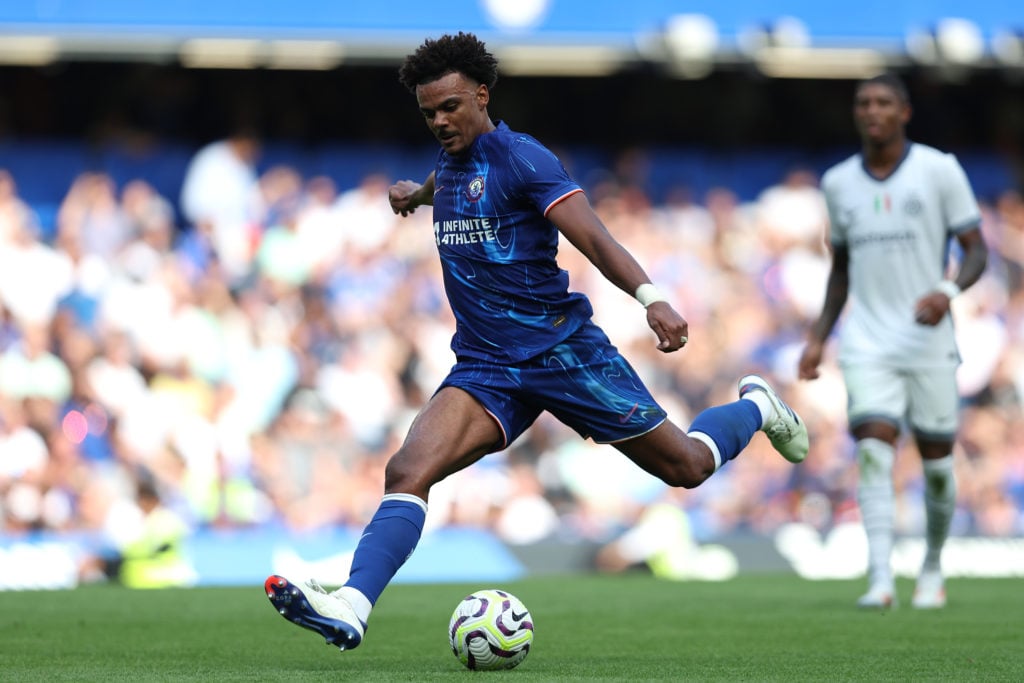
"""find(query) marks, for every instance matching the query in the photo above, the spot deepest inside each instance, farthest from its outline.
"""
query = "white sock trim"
(408, 498)
(710, 443)
(360, 603)
(763, 403)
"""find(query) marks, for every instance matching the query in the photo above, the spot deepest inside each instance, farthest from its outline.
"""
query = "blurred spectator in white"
(282, 257)
(113, 373)
(793, 213)
(796, 268)
(364, 215)
(981, 335)
(261, 366)
(361, 386)
(792, 224)
(683, 221)
(525, 515)
(317, 225)
(13, 211)
(91, 274)
(33, 275)
(737, 241)
(30, 370)
(150, 218)
(220, 193)
(143, 309)
(23, 453)
(91, 216)
(142, 206)
(22, 508)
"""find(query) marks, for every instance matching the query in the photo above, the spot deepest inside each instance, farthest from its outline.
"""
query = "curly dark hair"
(463, 53)
(891, 81)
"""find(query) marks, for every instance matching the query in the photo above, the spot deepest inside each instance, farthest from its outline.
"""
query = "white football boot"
(784, 428)
(930, 592)
(880, 595)
(317, 610)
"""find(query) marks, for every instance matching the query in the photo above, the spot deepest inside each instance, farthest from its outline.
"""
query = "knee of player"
(406, 473)
(400, 472)
(687, 473)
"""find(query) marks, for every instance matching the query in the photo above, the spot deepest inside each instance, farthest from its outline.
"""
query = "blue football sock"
(730, 426)
(387, 542)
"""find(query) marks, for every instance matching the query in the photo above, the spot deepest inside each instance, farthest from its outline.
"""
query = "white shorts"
(926, 398)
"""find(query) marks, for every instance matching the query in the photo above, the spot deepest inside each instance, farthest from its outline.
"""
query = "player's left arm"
(961, 209)
(934, 305)
(974, 259)
(576, 220)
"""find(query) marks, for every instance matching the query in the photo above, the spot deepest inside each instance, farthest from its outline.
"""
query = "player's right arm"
(576, 219)
(836, 293)
(406, 195)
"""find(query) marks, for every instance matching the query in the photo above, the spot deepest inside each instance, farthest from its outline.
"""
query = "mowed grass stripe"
(588, 628)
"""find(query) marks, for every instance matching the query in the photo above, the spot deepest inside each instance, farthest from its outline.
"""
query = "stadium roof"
(802, 38)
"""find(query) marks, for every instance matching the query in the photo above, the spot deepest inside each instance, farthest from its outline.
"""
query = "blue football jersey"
(498, 251)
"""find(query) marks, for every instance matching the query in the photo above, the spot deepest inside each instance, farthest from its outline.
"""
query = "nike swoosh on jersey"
(623, 419)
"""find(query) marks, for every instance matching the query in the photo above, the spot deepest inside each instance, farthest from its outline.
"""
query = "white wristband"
(647, 294)
(949, 288)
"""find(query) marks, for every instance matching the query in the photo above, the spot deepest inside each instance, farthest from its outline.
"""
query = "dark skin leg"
(930, 449)
(453, 431)
(669, 454)
(450, 433)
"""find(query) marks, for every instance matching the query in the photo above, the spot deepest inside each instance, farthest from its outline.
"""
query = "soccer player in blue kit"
(523, 343)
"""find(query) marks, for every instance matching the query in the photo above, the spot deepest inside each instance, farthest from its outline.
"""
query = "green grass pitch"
(588, 628)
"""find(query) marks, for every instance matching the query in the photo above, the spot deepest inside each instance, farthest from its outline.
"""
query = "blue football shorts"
(584, 382)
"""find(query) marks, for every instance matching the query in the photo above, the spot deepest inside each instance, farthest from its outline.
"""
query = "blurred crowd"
(254, 350)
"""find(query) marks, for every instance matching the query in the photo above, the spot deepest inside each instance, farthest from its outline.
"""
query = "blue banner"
(243, 557)
(546, 20)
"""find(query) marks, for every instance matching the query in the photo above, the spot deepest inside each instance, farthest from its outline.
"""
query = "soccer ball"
(491, 629)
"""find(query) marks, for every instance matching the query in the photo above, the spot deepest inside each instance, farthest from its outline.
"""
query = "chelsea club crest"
(475, 189)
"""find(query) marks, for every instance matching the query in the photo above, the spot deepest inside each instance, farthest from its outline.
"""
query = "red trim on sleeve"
(560, 199)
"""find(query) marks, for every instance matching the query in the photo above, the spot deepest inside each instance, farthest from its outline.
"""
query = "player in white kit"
(895, 209)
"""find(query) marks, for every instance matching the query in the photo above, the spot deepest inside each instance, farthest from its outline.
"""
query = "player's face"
(455, 109)
(879, 113)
